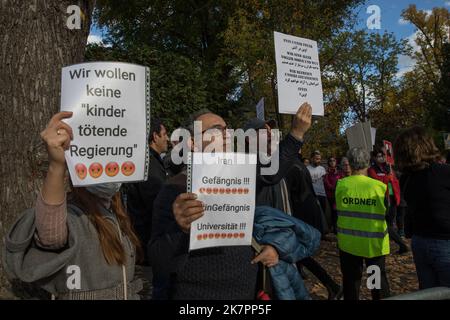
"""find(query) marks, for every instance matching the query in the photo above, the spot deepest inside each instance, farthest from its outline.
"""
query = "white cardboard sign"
(110, 102)
(260, 110)
(225, 183)
(447, 141)
(361, 135)
(298, 74)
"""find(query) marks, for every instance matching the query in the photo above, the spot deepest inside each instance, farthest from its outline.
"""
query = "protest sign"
(260, 109)
(389, 152)
(110, 102)
(225, 183)
(368, 135)
(298, 74)
(373, 132)
(447, 141)
(361, 135)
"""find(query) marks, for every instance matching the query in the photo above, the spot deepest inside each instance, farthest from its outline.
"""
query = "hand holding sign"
(57, 136)
(223, 183)
(186, 210)
(268, 256)
(302, 121)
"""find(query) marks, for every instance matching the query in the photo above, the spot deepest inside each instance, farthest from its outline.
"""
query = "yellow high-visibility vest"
(361, 225)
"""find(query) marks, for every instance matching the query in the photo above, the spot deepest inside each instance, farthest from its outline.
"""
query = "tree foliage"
(365, 71)
(431, 70)
(180, 41)
(249, 42)
(220, 55)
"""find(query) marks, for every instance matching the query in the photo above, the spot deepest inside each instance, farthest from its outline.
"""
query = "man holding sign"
(220, 272)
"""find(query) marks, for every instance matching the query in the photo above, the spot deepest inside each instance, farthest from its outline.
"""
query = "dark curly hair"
(415, 150)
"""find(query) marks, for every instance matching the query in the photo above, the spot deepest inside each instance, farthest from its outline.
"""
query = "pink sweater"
(51, 224)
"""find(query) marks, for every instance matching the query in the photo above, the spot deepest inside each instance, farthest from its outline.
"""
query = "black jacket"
(222, 273)
(140, 198)
(427, 195)
(304, 203)
(213, 273)
(268, 189)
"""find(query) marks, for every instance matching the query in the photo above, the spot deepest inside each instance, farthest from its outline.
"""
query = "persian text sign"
(298, 74)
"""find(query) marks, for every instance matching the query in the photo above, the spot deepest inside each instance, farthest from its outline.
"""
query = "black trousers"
(320, 273)
(352, 268)
(390, 220)
(400, 219)
(326, 211)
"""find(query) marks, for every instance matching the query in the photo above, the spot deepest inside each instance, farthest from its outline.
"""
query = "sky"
(390, 13)
(391, 21)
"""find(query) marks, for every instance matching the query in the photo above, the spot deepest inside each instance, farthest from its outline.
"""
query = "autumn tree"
(250, 45)
(402, 108)
(35, 44)
(180, 41)
(432, 66)
(178, 86)
(365, 71)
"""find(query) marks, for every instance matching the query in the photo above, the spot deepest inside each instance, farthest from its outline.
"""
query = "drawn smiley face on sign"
(128, 168)
(95, 170)
(112, 169)
(81, 171)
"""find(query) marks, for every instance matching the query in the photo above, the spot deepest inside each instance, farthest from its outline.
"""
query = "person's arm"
(386, 204)
(268, 256)
(445, 175)
(51, 211)
(286, 153)
(57, 136)
(170, 228)
(288, 148)
(373, 174)
(148, 191)
(327, 183)
(51, 224)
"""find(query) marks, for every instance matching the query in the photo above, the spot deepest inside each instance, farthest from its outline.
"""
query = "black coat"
(427, 195)
(304, 203)
(212, 273)
(140, 198)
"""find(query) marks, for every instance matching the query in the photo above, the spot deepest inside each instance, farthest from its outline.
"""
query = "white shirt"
(317, 174)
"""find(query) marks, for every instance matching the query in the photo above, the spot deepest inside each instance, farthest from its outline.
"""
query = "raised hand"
(302, 121)
(57, 136)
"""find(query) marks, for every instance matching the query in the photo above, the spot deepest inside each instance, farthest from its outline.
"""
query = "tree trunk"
(35, 44)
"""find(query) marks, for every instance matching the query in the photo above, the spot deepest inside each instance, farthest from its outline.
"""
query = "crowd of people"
(108, 229)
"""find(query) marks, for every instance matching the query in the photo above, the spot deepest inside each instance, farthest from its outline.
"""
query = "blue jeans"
(432, 259)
